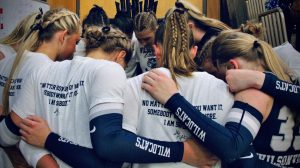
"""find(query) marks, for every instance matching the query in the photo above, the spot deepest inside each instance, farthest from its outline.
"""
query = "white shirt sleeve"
(31, 153)
(107, 90)
(24, 103)
(131, 110)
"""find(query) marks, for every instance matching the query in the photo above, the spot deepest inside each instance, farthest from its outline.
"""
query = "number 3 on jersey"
(284, 141)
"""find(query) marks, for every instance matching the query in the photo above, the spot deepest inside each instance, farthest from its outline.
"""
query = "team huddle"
(187, 92)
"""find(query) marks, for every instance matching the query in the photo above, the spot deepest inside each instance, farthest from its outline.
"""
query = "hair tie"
(40, 15)
(256, 44)
(179, 5)
(105, 29)
(37, 26)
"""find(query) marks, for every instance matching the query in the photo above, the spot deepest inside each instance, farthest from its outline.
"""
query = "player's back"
(63, 88)
(278, 140)
(207, 93)
(29, 62)
(62, 96)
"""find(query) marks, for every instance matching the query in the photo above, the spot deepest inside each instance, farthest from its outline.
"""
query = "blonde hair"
(254, 29)
(145, 21)
(178, 40)
(19, 32)
(42, 30)
(108, 39)
(196, 15)
(232, 44)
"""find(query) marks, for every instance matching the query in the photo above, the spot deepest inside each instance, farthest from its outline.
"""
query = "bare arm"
(285, 92)
(47, 161)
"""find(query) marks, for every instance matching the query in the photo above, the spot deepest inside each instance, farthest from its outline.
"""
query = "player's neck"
(99, 54)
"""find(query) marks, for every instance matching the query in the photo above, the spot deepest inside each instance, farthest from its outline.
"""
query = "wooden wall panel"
(213, 9)
(213, 6)
(109, 6)
(69, 4)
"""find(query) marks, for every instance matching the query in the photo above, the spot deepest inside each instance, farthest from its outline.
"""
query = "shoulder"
(4, 47)
(36, 57)
(208, 79)
(107, 70)
(7, 52)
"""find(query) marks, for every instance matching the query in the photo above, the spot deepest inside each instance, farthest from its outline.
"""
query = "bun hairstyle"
(108, 39)
(255, 29)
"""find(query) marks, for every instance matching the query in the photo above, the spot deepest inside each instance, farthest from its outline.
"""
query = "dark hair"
(124, 23)
(96, 17)
(159, 34)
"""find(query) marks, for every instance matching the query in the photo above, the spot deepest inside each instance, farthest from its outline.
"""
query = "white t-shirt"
(80, 48)
(144, 55)
(146, 117)
(5, 66)
(290, 56)
(28, 63)
(68, 94)
(8, 51)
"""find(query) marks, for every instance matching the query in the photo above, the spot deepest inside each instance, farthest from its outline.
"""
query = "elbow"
(230, 158)
(105, 148)
(7, 138)
(230, 153)
(102, 149)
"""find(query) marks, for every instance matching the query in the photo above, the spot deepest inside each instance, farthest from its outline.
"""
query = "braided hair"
(108, 39)
(43, 29)
(178, 40)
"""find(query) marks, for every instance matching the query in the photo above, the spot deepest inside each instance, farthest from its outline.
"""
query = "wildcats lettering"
(190, 124)
(61, 139)
(153, 148)
(287, 87)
